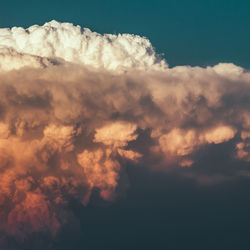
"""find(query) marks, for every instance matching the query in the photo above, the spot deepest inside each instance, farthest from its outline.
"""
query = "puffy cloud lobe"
(32, 46)
(67, 128)
(117, 134)
(181, 143)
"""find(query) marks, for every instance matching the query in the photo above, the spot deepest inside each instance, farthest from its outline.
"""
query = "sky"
(129, 131)
(187, 32)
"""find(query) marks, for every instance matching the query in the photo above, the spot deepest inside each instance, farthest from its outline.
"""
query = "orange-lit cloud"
(72, 104)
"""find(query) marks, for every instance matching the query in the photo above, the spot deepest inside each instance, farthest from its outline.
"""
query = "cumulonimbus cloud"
(72, 101)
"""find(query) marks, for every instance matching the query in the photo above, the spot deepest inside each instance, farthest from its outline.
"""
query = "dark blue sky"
(187, 32)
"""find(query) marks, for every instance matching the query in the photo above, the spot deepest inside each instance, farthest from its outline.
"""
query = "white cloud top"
(73, 44)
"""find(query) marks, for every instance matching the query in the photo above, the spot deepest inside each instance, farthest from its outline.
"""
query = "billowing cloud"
(73, 104)
(64, 41)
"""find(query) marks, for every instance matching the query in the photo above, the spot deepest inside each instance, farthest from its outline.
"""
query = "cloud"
(73, 107)
(36, 44)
